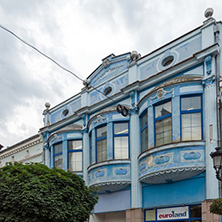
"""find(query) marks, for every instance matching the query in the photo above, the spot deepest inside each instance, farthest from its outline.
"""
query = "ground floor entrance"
(190, 213)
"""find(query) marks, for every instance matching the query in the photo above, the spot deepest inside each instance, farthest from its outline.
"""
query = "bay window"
(191, 118)
(121, 141)
(163, 124)
(101, 144)
(57, 155)
(75, 155)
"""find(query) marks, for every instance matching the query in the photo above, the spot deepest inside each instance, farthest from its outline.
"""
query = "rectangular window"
(58, 155)
(144, 131)
(101, 144)
(121, 141)
(191, 118)
(90, 147)
(163, 124)
(75, 155)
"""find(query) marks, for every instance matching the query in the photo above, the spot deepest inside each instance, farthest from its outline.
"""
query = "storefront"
(190, 213)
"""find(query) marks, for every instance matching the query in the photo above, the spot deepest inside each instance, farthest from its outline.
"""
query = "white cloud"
(77, 34)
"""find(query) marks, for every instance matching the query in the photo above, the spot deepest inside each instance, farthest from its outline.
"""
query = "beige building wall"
(109, 217)
(28, 150)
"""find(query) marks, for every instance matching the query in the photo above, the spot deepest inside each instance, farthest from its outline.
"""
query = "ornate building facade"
(28, 150)
(142, 129)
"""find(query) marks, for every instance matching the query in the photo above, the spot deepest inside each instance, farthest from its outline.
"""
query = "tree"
(35, 193)
(216, 206)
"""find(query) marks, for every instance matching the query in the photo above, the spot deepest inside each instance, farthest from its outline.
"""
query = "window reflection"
(191, 118)
(144, 131)
(58, 155)
(121, 140)
(163, 124)
(101, 144)
(75, 155)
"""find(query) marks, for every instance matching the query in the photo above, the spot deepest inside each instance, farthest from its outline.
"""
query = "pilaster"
(136, 187)
(85, 154)
(135, 215)
(65, 154)
(210, 134)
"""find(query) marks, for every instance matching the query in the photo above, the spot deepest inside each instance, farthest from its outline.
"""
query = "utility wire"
(40, 52)
(62, 67)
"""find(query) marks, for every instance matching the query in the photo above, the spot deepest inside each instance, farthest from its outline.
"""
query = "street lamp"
(217, 161)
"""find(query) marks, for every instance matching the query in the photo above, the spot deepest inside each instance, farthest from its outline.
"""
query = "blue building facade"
(142, 129)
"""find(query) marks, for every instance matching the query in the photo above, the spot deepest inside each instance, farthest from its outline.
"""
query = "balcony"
(170, 163)
(110, 176)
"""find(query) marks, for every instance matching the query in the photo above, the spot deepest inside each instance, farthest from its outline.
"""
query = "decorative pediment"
(111, 66)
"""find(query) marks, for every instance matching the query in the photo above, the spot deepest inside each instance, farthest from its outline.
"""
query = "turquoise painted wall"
(188, 191)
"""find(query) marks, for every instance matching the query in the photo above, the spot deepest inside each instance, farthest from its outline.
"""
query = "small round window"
(107, 90)
(65, 112)
(167, 61)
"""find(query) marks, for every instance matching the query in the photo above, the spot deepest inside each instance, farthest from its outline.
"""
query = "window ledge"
(171, 146)
(108, 162)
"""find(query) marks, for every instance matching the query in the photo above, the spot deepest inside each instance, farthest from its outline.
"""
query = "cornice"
(16, 150)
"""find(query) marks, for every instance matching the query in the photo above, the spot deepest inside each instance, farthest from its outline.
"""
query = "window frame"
(191, 112)
(100, 139)
(74, 151)
(90, 148)
(121, 135)
(144, 113)
(162, 118)
(57, 154)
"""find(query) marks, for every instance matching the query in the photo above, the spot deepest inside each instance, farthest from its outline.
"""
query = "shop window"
(144, 131)
(191, 118)
(121, 140)
(101, 144)
(58, 155)
(163, 124)
(179, 213)
(75, 155)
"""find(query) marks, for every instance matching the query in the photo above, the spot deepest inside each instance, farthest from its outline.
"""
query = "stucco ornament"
(161, 93)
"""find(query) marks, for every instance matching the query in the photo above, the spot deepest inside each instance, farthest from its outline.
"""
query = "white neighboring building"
(28, 150)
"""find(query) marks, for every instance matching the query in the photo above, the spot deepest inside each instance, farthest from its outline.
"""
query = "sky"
(77, 34)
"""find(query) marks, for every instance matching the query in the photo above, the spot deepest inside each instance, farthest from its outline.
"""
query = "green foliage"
(216, 206)
(35, 193)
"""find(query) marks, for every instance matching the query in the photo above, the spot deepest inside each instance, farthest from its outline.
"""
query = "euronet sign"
(172, 213)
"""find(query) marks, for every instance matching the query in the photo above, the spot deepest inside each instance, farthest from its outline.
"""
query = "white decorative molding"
(16, 150)
(161, 93)
(111, 186)
(171, 175)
